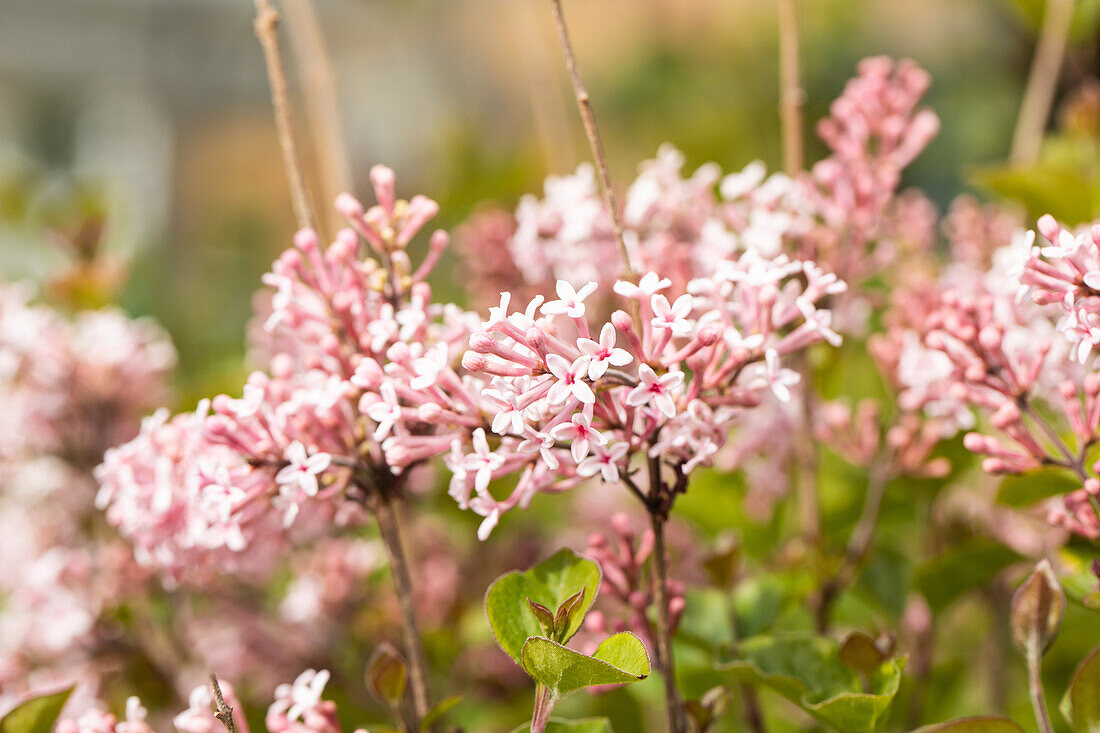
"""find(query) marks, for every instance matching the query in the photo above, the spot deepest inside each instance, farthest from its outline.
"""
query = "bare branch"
(223, 713)
(594, 142)
(266, 25)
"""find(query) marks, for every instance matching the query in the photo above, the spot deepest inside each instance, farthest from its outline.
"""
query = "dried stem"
(322, 102)
(791, 95)
(266, 26)
(674, 712)
(593, 133)
(859, 544)
(385, 512)
(223, 712)
(1041, 82)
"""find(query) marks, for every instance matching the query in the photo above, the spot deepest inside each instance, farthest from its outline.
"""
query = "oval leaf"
(550, 583)
(618, 659)
(1081, 705)
(977, 724)
(36, 715)
(807, 670)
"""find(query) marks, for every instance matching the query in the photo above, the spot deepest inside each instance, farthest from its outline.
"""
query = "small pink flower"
(650, 284)
(673, 317)
(656, 389)
(570, 380)
(579, 431)
(571, 302)
(386, 411)
(605, 461)
(603, 354)
(509, 415)
(302, 470)
(482, 462)
(777, 378)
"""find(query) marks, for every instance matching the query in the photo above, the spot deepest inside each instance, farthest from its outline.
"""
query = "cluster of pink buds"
(1066, 272)
(567, 400)
(906, 448)
(622, 557)
(985, 346)
(875, 129)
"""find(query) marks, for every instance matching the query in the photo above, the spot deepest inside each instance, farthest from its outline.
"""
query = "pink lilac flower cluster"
(623, 557)
(1066, 272)
(974, 340)
(567, 400)
(362, 351)
(70, 387)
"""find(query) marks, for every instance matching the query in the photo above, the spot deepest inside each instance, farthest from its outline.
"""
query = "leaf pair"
(535, 612)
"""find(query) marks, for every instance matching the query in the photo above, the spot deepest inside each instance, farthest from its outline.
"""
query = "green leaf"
(37, 715)
(586, 725)
(1081, 704)
(1045, 188)
(550, 584)
(618, 659)
(387, 675)
(960, 569)
(441, 708)
(1029, 488)
(976, 724)
(807, 670)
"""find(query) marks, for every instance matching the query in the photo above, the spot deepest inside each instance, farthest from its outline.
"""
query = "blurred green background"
(155, 113)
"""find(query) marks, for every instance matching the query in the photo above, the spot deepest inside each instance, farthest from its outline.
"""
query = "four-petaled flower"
(570, 380)
(302, 469)
(656, 389)
(673, 317)
(605, 461)
(650, 283)
(482, 462)
(603, 354)
(302, 696)
(579, 431)
(571, 302)
(777, 378)
(386, 411)
(509, 416)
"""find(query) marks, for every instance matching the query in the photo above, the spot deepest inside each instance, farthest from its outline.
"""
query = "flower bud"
(1037, 609)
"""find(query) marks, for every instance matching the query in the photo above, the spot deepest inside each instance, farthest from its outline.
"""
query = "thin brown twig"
(674, 711)
(390, 530)
(791, 95)
(223, 713)
(266, 26)
(322, 101)
(1041, 82)
(594, 142)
